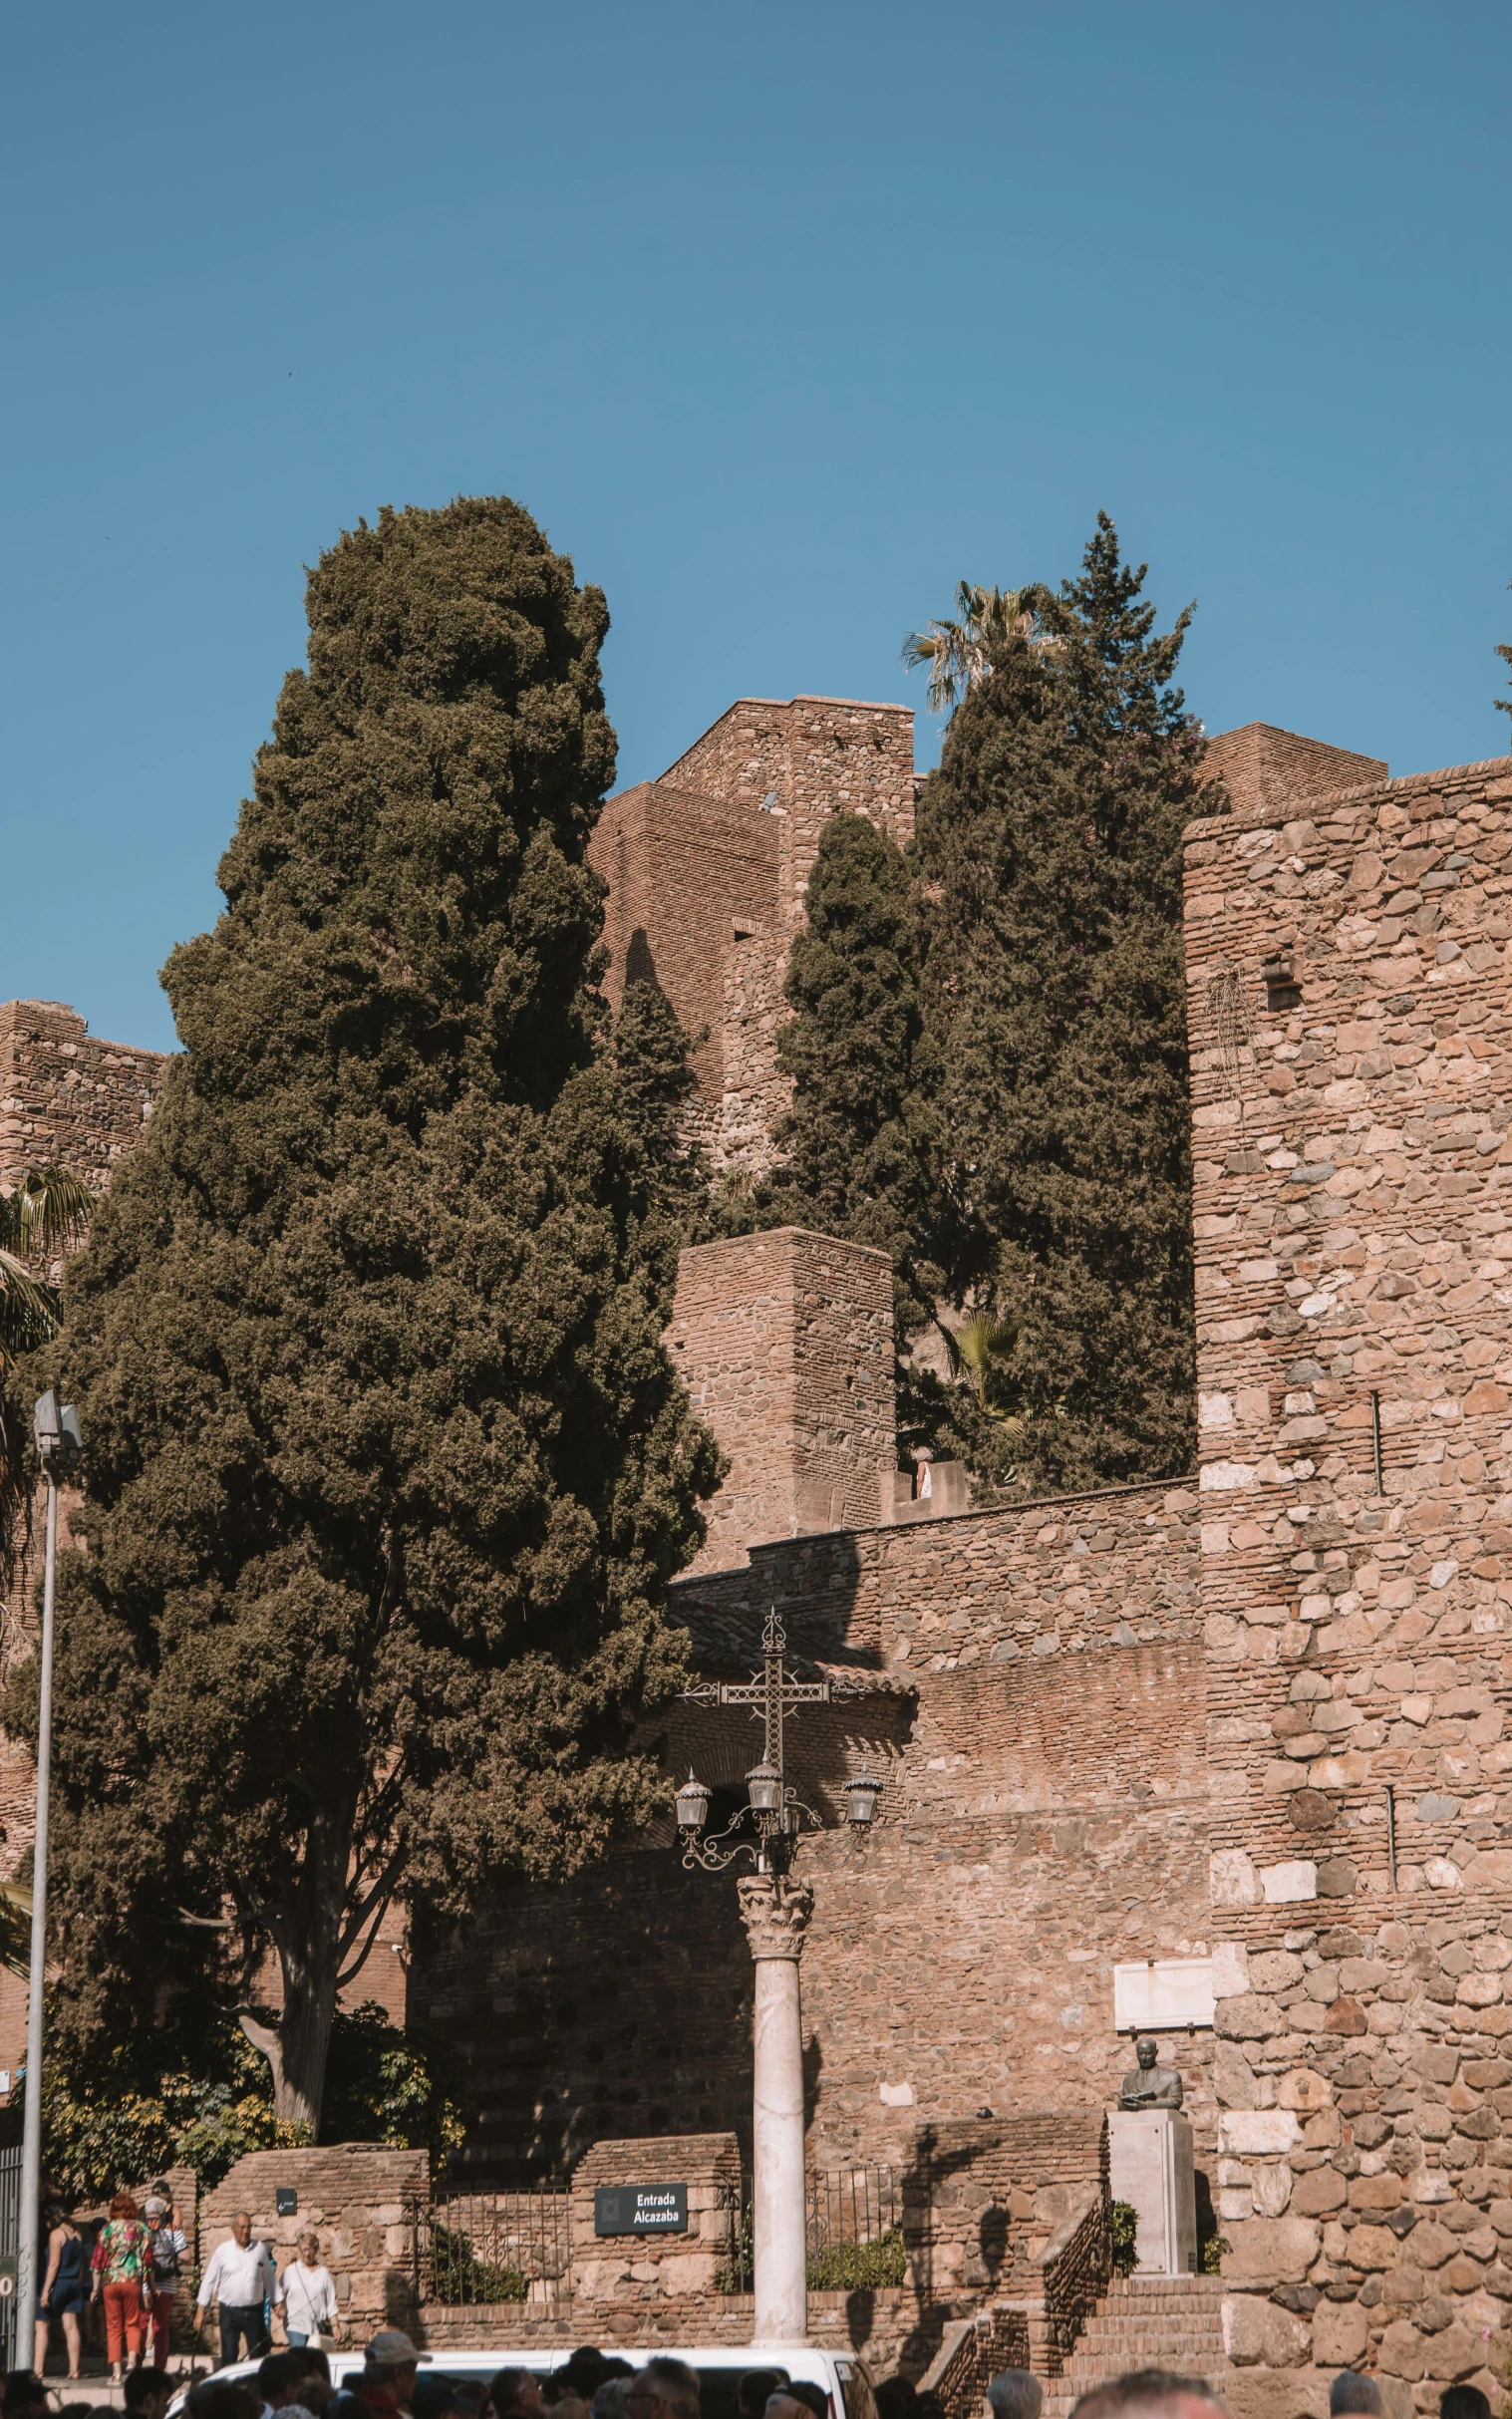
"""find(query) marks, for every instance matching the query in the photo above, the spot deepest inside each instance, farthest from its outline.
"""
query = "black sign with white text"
(640, 2209)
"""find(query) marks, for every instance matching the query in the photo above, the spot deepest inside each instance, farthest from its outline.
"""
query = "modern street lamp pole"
(56, 1428)
(776, 1909)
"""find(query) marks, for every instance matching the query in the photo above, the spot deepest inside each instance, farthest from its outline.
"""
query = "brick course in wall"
(1354, 1224)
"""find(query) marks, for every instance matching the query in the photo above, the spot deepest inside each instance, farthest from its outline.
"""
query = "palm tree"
(42, 1217)
(958, 653)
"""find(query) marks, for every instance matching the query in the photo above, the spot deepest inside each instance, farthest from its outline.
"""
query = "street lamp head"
(763, 1783)
(56, 1427)
(861, 1795)
(693, 1804)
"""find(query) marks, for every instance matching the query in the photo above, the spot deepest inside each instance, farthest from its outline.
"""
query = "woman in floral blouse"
(123, 2263)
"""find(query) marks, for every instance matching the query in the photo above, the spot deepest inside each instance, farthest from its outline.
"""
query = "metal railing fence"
(855, 2231)
(478, 2249)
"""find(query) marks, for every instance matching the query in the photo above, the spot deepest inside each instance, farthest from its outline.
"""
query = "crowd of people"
(126, 2270)
(132, 2264)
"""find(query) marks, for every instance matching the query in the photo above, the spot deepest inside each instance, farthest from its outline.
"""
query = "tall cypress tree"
(387, 1467)
(1050, 861)
(856, 1145)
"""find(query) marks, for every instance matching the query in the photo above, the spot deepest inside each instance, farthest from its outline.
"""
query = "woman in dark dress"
(63, 2293)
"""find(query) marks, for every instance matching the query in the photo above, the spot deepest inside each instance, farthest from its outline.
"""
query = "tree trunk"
(309, 1956)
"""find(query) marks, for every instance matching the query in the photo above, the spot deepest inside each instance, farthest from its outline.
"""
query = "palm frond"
(29, 1310)
(51, 1210)
(961, 652)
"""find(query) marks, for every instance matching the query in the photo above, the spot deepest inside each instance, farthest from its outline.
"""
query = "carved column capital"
(776, 1910)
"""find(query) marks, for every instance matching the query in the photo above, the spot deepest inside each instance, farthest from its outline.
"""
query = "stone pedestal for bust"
(1150, 2166)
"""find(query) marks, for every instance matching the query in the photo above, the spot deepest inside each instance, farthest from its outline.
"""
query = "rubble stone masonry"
(802, 762)
(1348, 962)
(67, 1099)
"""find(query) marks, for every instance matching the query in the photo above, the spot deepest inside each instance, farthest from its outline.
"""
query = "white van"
(721, 2367)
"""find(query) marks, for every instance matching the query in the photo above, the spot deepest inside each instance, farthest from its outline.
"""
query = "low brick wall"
(639, 2273)
(361, 2199)
(880, 2325)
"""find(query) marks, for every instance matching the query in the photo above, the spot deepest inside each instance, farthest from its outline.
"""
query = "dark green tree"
(651, 1055)
(1050, 862)
(387, 1466)
(854, 1149)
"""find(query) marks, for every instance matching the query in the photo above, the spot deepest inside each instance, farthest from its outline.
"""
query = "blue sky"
(780, 320)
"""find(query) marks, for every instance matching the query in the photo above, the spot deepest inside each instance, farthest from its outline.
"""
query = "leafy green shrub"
(460, 2277)
(381, 2089)
(201, 2096)
(1125, 2229)
(844, 2268)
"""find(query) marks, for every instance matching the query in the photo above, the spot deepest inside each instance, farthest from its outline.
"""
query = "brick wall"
(1354, 1241)
(66, 1098)
(361, 2200)
(1263, 767)
(705, 870)
(690, 878)
(784, 1342)
(807, 760)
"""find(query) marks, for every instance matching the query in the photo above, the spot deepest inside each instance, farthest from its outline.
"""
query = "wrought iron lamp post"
(776, 1909)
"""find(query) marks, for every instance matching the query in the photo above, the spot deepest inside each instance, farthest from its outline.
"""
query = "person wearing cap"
(390, 2365)
(169, 2248)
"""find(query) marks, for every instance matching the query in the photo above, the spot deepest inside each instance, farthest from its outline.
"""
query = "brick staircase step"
(1145, 2323)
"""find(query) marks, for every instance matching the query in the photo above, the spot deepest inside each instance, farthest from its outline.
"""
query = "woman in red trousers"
(123, 2265)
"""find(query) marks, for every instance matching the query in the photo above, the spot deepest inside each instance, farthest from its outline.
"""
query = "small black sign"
(285, 2201)
(640, 2209)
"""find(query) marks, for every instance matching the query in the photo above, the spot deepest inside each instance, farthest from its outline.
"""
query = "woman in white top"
(307, 2296)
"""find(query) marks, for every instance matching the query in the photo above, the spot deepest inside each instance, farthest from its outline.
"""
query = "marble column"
(777, 1911)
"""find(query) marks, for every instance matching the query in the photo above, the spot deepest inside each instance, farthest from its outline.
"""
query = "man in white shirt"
(307, 2296)
(240, 2277)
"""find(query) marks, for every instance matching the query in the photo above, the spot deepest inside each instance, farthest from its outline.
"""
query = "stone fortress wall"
(1253, 1721)
(1354, 1223)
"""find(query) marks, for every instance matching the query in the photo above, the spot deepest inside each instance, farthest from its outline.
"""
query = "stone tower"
(706, 869)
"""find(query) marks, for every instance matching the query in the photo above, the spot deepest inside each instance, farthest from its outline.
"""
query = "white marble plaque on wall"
(1166, 1995)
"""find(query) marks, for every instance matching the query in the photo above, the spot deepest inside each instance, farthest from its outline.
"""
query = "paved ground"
(94, 2386)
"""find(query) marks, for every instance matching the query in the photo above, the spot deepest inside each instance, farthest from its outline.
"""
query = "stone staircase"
(1169, 2322)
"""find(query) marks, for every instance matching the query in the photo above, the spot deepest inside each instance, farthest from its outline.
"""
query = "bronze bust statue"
(1148, 2085)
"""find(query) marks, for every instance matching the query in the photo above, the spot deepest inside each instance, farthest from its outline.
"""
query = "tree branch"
(383, 1888)
(266, 2038)
(350, 1972)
